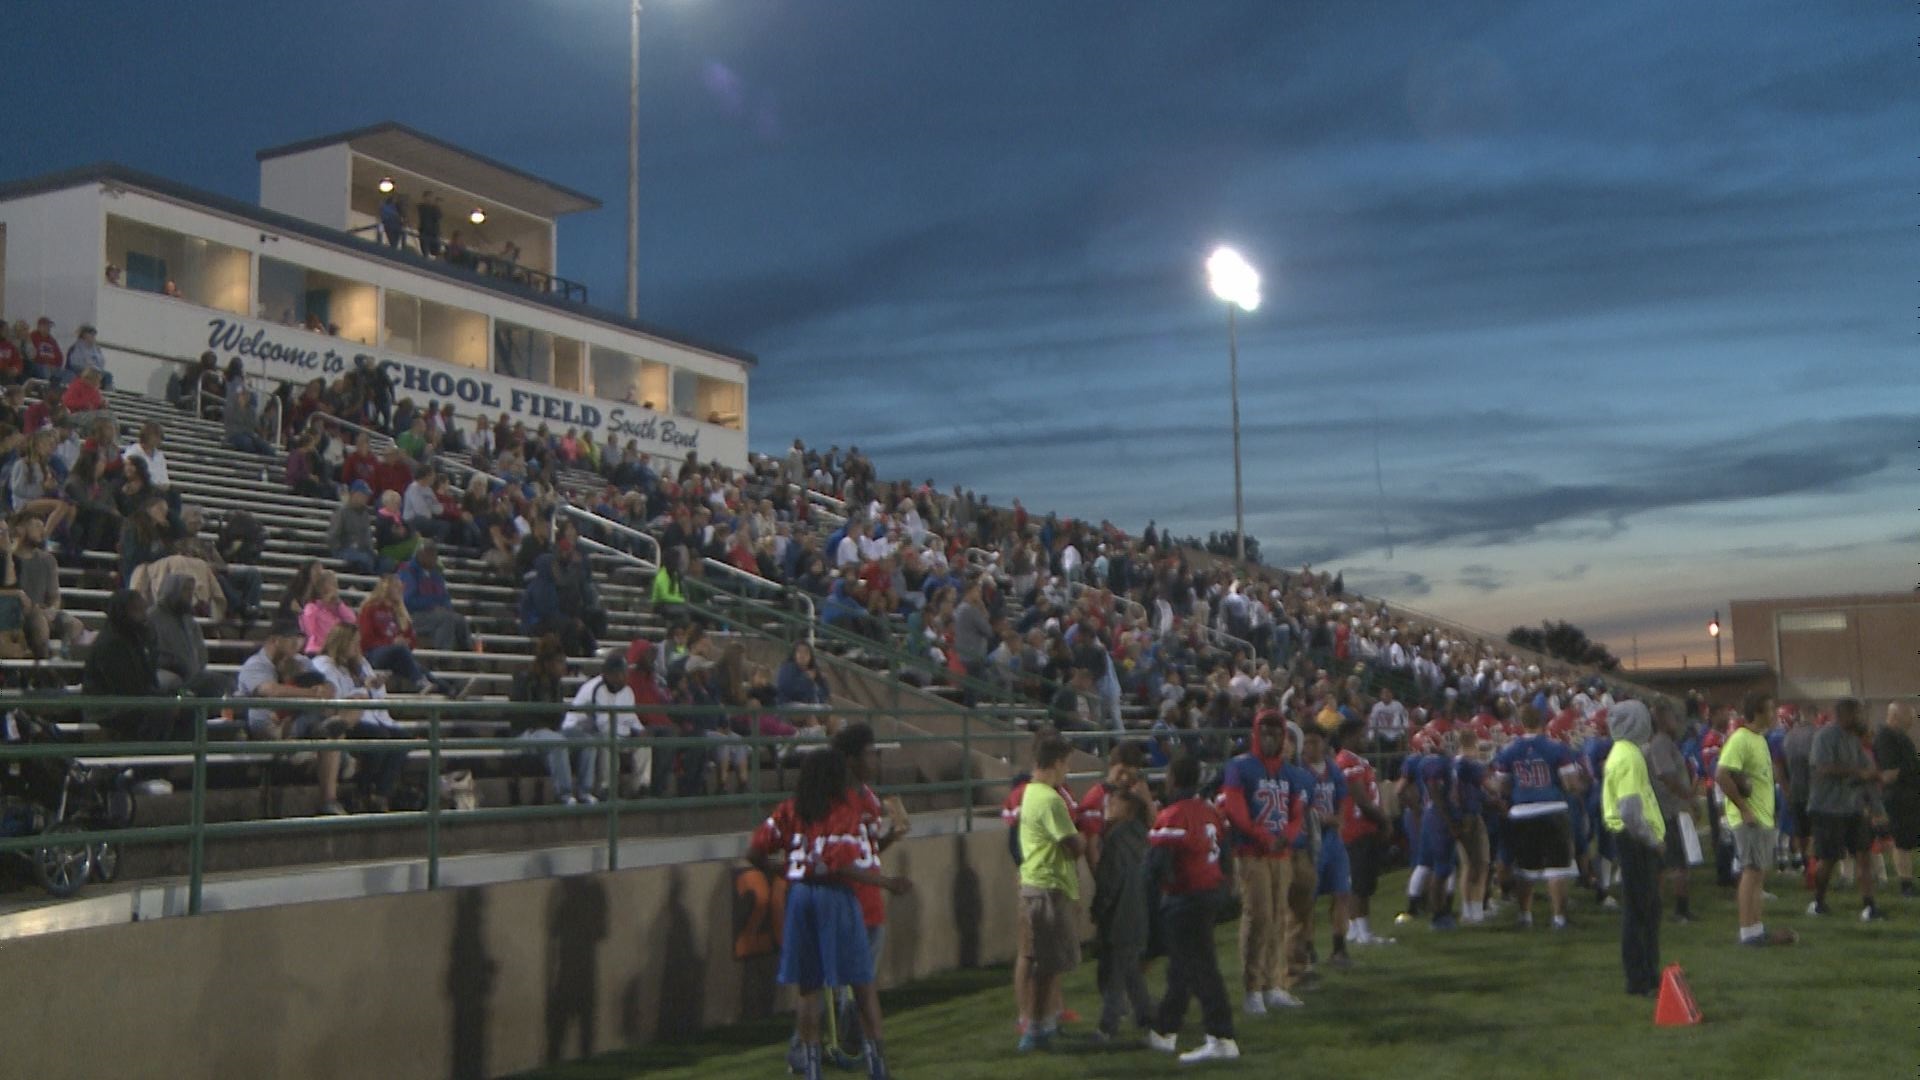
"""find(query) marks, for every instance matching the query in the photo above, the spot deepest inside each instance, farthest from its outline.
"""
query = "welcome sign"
(174, 329)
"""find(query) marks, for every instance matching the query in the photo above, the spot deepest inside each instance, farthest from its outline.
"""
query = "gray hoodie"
(1629, 721)
(178, 645)
(351, 528)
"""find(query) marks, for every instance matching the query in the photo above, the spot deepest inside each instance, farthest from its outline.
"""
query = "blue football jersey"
(1534, 762)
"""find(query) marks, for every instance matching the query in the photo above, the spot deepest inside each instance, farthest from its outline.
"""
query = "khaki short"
(1048, 932)
(1754, 845)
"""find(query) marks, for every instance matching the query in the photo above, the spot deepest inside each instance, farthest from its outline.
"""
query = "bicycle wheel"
(63, 868)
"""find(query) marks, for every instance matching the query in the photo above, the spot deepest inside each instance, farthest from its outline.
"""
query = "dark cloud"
(1571, 573)
(1481, 578)
(1387, 583)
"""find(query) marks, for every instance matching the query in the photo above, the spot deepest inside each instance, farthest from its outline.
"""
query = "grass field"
(1481, 1002)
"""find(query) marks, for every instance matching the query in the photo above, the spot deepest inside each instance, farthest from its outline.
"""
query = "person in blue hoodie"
(424, 591)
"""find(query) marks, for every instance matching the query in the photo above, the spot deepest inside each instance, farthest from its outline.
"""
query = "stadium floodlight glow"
(386, 185)
(477, 216)
(1233, 279)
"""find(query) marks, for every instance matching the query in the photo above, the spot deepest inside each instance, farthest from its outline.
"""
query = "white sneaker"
(1610, 904)
(156, 786)
(587, 800)
(1212, 1050)
(568, 800)
(1164, 1043)
(1359, 938)
(1256, 1005)
(1280, 999)
(1765, 895)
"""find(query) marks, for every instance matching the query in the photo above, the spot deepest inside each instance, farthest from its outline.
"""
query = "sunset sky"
(1623, 295)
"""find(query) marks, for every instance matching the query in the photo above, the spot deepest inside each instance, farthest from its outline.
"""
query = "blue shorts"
(1436, 846)
(824, 943)
(1332, 868)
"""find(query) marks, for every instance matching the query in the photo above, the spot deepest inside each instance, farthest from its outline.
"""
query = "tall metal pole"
(633, 171)
(1718, 630)
(1239, 508)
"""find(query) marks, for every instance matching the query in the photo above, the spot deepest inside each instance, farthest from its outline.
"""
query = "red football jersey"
(1192, 829)
(1361, 779)
(814, 851)
(873, 903)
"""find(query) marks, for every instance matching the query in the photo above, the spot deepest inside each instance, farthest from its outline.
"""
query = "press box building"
(303, 284)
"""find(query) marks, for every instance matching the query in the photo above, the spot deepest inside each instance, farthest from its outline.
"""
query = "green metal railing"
(891, 728)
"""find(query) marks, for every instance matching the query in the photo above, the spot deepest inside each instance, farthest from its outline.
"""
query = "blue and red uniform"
(1265, 800)
(1439, 807)
(824, 942)
(1192, 832)
(1332, 870)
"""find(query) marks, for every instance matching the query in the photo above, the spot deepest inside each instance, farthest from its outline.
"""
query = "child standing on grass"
(1189, 864)
(819, 835)
(1120, 912)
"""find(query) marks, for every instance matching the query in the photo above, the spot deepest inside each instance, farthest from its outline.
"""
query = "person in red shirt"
(360, 464)
(83, 394)
(1124, 763)
(817, 840)
(393, 473)
(1361, 822)
(1188, 861)
(13, 362)
(47, 358)
(880, 826)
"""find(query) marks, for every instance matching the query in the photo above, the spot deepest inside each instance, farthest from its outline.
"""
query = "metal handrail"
(567, 507)
(438, 747)
(813, 618)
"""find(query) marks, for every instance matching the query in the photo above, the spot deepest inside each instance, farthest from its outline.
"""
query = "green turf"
(1481, 1002)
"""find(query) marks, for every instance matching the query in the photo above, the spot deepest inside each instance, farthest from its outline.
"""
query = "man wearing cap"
(350, 532)
(603, 703)
(84, 355)
(1630, 809)
(47, 360)
(278, 672)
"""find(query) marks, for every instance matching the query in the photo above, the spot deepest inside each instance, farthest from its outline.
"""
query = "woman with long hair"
(325, 612)
(96, 521)
(346, 670)
(33, 486)
(820, 840)
(301, 588)
(386, 635)
(147, 537)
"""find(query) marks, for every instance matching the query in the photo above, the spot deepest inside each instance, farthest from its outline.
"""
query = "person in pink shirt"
(324, 612)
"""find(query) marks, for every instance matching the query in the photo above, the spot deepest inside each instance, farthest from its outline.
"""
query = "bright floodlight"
(1233, 278)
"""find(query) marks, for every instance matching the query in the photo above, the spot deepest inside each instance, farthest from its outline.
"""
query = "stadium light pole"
(1713, 631)
(633, 166)
(1237, 283)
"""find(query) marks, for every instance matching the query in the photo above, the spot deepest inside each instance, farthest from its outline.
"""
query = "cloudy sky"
(1620, 295)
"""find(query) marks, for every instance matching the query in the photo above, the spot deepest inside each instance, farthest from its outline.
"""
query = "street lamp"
(633, 166)
(1713, 631)
(1235, 281)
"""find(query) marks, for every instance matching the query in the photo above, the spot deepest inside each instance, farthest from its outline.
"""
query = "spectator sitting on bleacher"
(147, 450)
(39, 578)
(421, 508)
(305, 471)
(84, 355)
(48, 361)
(325, 611)
(395, 472)
(277, 672)
(13, 362)
(82, 399)
(121, 664)
(540, 682)
(361, 464)
(180, 649)
(392, 537)
(560, 599)
(597, 709)
(668, 596)
(387, 638)
(414, 441)
(800, 681)
(427, 601)
(350, 533)
(240, 583)
(32, 486)
(96, 516)
(349, 676)
(242, 423)
(148, 537)
(463, 528)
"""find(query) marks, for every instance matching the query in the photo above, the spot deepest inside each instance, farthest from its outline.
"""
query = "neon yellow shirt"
(1044, 823)
(1747, 754)
(1626, 774)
